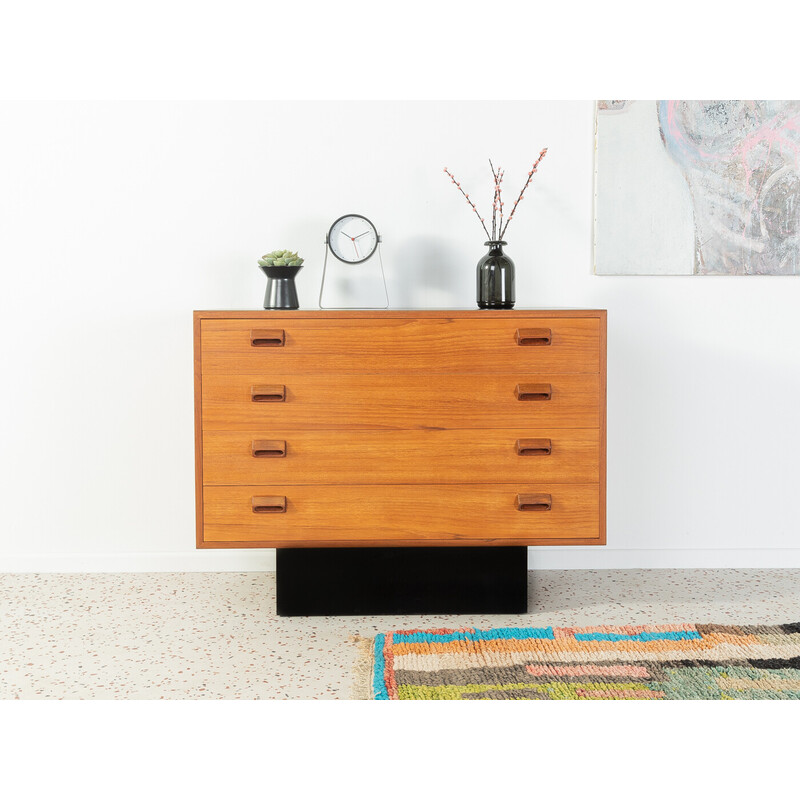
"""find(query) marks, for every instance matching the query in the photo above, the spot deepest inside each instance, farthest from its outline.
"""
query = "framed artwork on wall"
(697, 187)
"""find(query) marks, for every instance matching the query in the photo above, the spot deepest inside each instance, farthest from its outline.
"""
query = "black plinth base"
(347, 581)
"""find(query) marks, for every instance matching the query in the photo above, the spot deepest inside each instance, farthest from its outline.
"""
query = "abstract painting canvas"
(697, 187)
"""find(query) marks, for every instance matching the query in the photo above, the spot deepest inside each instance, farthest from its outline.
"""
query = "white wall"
(116, 220)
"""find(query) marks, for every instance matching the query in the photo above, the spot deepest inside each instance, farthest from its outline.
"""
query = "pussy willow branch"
(494, 199)
(500, 174)
(497, 205)
(530, 175)
(468, 200)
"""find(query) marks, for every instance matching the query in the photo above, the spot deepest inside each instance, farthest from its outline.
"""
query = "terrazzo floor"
(216, 635)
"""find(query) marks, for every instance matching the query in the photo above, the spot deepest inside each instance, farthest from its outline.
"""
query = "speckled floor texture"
(187, 636)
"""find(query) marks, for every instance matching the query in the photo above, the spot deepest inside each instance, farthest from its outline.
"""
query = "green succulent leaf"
(280, 258)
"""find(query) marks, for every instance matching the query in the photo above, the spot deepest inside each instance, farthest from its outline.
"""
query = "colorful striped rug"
(632, 662)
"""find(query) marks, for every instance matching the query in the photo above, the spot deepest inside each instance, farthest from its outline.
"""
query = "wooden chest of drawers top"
(399, 427)
(331, 344)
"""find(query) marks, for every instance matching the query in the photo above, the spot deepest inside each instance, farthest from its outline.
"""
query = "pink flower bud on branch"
(458, 185)
(498, 230)
(530, 175)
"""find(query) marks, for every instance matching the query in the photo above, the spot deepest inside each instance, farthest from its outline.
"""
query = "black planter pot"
(281, 292)
(495, 278)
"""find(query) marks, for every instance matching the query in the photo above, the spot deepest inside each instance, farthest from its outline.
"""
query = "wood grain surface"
(399, 401)
(338, 346)
(372, 516)
(413, 456)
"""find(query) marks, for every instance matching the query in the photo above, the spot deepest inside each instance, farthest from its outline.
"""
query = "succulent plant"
(280, 258)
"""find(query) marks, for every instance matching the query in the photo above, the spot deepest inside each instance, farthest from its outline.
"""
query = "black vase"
(281, 292)
(495, 278)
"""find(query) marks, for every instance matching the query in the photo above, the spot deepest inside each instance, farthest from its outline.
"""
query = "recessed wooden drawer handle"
(269, 505)
(532, 337)
(275, 338)
(534, 447)
(534, 391)
(268, 394)
(534, 502)
(268, 448)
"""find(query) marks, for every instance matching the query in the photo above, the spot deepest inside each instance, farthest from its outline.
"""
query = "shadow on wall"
(353, 285)
(422, 272)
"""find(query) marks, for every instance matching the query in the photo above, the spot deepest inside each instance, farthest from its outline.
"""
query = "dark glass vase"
(495, 278)
(281, 292)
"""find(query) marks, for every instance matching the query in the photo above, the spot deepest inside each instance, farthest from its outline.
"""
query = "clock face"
(352, 238)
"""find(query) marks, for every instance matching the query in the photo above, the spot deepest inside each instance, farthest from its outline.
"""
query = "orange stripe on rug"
(554, 646)
(623, 694)
(630, 630)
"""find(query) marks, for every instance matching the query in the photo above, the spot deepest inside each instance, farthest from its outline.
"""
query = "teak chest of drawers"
(321, 429)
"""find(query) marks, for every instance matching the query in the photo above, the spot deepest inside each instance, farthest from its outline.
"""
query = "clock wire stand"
(354, 308)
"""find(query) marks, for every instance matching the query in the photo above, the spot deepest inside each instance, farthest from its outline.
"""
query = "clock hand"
(353, 238)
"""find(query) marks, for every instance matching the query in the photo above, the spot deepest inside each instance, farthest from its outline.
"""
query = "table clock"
(354, 241)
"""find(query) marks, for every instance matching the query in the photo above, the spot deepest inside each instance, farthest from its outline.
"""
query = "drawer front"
(279, 455)
(273, 399)
(329, 346)
(283, 515)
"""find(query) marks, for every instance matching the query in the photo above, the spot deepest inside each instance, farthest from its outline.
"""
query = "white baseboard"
(251, 560)
(607, 558)
(248, 560)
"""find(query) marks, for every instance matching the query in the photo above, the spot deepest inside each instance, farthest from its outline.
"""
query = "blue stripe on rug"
(636, 637)
(379, 678)
(475, 636)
